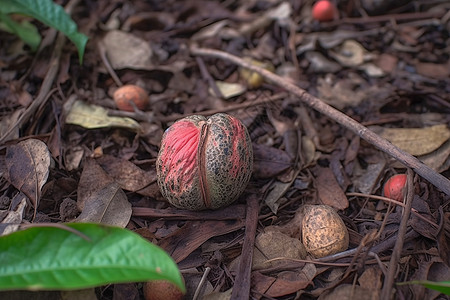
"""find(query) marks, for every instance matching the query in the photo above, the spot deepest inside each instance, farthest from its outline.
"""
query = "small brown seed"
(323, 231)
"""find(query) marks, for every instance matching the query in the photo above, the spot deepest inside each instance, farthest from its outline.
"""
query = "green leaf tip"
(51, 14)
(441, 286)
(81, 256)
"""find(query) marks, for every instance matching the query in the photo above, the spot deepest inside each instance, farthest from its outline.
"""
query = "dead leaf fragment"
(274, 244)
(330, 193)
(129, 176)
(229, 90)
(93, 116)
(125, 50)
(11, 222)
(285, 283)
(277, 189)
(28, 164)
(108, 206)
(438, 71)
(416, 141)
(269, 161)
(349, 292)
(350, 54)
(92, 180)
(7, 122)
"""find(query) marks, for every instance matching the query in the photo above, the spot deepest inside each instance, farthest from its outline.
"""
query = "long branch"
(384, 145)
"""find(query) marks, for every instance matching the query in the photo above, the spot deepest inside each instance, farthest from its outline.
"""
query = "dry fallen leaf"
(108, 206)
(341, 93)
(269, 161)
(93, 116)
(11, 222)
(129, 176)
(330, 193)
(7, 121)
(28, 164)
(350, 54)
(349, 292)
(285, 283)
(229, 90)
(125, 50)
(274, 244)
(438, 160)
(277, 189)
(416, 141)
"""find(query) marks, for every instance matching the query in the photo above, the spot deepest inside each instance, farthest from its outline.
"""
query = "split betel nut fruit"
(204, 163)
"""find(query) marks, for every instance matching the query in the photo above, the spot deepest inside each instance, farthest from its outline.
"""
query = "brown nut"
(323, 231)
(204, 163)
(126, 94)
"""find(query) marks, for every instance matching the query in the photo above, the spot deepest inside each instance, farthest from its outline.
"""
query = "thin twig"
(205, 74)
(386, 292)
(102, 50)
(407, 159)
(59, 226)
(247, 104)
(241, 288)
(389, 200)
(201, 283)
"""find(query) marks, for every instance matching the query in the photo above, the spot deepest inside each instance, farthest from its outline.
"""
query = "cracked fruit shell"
(204, 163)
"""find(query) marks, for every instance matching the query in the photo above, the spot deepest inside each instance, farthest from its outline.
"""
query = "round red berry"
(323, 10)
(394, 187)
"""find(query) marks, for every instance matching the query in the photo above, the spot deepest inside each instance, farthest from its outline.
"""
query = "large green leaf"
(441, 286)
(50, 258)
(25, 30)
(50, 14)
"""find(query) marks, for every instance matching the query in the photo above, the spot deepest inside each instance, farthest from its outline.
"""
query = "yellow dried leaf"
(416, 141)
(229, 90)
(93, 116)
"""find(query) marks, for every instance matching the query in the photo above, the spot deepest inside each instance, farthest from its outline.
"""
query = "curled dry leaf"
(108, 206)
(28, 164)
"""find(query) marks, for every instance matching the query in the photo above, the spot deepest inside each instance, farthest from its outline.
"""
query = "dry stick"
(386, 292)
(273, 98)
(241, 288)
(384, 145)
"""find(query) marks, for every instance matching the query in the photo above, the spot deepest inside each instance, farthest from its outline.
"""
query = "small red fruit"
(204, 163)
(323, 10)
(161, 290)
(394, 187)
(131, 93)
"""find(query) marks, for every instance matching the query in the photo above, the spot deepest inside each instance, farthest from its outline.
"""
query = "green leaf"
(50, 14)
(52, 258)
(26, 31)
(442, 286)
